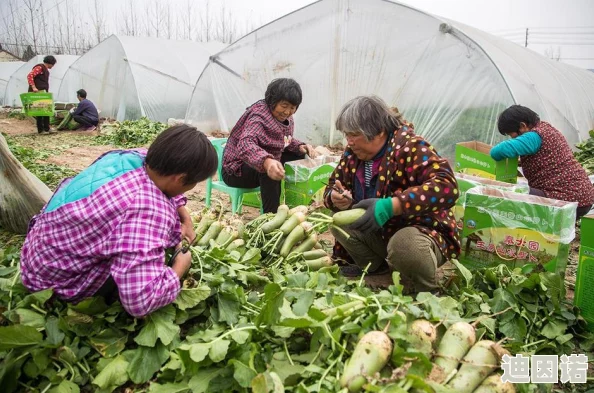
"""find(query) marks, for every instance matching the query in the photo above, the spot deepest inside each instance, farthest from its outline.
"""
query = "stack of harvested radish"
(460, 364)
(289, 236)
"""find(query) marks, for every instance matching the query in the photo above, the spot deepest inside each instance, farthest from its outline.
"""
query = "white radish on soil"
(277, 221)
(292, 222)
(370, 355)
(317, 264)
(423, 335)
(211, 234)
(455, 343)
(300, 208)
(294, 237)
(480, 362)
(307, 244)
(494, 384)
(314, 254)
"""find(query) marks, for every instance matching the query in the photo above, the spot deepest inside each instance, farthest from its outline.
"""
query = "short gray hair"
(368, 115)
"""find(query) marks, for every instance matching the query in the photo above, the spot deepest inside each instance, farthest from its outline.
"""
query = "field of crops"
(264, 309)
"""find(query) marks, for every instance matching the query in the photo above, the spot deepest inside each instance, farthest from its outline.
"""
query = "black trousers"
(43, 123)
(269, 189)
(84, 121)
(109, 291)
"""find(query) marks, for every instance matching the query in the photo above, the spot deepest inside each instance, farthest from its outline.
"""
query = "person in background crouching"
(85, 113)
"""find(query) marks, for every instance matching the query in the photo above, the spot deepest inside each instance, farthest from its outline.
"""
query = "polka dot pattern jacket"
(412, 171)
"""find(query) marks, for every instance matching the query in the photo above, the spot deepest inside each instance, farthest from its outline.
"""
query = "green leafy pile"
(535, 316)
(585, 154)
(50, 174)
(241, 325)
(17, 114)
(130, 133)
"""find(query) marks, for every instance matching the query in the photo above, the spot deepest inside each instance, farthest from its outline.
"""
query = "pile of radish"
(289, 236)
(460, 364)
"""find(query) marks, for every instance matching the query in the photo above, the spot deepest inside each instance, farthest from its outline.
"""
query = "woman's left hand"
(309, 150)
(187, 231)
(187, 226)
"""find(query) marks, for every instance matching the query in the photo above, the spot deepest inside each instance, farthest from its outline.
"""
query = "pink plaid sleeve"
(180, 200)
(248, 145)
(294, 145)
(138, 267)
(145, 284)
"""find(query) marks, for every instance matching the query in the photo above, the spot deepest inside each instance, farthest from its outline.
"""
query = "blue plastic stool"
(236, 194)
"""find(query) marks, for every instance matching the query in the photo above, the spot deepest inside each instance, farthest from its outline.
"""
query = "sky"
(561, 29)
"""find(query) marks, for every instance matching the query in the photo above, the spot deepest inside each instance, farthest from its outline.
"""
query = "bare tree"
(45, 41)
(206, 24)
(13, 34)
(130, 19)
(188, 20)
(98, 20)
(31, 8)
(169, 26)
(553, 53)
(226, 26)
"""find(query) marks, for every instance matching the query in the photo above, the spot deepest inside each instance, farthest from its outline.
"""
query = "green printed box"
(304, 179)
(584, 290)
(516, 230)
(466, 182)
(254, 199)
(38, 104)
(472, 158)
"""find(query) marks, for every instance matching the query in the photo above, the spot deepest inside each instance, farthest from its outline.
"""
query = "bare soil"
(77, 149)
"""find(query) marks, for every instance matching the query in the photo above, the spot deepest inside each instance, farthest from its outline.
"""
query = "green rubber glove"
(377, 212)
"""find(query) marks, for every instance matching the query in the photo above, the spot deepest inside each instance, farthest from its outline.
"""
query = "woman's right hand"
(342, 200)
(274, 169)
(182, 262)
(35, 90)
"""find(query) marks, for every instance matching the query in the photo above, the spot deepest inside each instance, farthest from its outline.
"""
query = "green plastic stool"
(236, 194)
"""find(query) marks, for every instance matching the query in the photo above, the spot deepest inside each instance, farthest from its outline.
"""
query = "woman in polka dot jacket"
(407, 190)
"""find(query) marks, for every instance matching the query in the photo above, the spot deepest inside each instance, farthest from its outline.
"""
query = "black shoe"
(356, 271)
(351, 271)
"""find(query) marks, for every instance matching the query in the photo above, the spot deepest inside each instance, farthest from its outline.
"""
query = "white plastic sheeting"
(450, 80)
(6, 70)
(18, 81)
(131, 77)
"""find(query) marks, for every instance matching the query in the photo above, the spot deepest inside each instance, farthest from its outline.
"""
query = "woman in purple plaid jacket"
(262, 141)
(104, 232)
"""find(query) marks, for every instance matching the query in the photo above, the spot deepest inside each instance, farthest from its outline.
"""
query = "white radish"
(480, 362)
(494, 384)
(370, 355)
(456, 342)
(422, 335)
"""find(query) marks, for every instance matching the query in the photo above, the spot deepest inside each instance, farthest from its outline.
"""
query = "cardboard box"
(466, 182)
(584, 290)
(304, 179)
(472, 158)
(38, 104)
(254, 199)
(516, 229)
